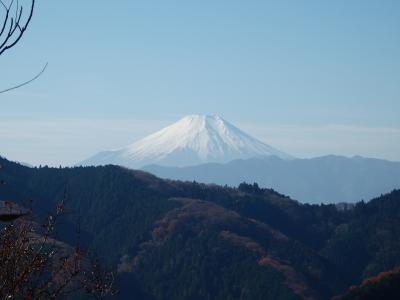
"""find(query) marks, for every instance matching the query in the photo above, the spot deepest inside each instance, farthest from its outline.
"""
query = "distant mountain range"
(193, 140)
(211, 150)
(328, 179)
(183, 240)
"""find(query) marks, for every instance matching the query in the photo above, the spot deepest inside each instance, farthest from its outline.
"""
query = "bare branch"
(26, 82)
(2, 3)
(12, 37)
(33, 265)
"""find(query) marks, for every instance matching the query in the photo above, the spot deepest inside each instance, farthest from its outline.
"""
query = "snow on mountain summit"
(194, 139)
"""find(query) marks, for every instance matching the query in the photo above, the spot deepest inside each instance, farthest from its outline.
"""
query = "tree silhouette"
(35, 265)
(14, 24)
(14, 20)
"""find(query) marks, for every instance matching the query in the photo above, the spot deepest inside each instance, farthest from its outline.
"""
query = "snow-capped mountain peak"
(194, 139)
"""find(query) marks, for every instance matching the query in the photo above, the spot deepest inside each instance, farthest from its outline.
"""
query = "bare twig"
(13, 27)
(26, 82)
(34, 265)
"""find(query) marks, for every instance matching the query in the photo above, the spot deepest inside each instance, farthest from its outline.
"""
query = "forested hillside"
(184, 240)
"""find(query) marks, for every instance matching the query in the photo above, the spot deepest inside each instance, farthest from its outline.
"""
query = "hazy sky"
(308, 77)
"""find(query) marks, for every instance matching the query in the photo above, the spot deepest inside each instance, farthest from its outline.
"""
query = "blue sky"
(309, 77)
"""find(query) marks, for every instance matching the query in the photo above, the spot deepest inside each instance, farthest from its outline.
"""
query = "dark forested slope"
(184, 240)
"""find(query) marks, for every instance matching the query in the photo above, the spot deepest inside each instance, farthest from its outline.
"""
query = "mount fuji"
(193, 140)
